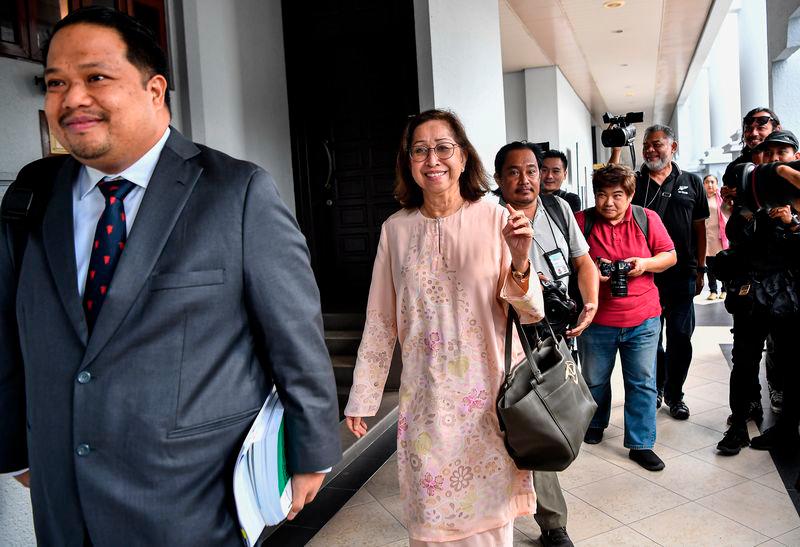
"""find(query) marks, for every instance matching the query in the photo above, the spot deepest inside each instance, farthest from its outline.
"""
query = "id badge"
(558, 264)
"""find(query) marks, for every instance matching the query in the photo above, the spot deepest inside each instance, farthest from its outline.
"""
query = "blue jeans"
(598, 347)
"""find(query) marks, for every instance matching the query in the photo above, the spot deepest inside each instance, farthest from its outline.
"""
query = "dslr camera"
(559, 308)
(622, 132)
(618, 272)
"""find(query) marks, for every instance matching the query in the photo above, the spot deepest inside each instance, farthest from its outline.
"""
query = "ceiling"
(641, 68)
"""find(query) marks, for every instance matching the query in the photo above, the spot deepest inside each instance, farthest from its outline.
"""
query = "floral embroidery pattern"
(431, 483)
(474, 400)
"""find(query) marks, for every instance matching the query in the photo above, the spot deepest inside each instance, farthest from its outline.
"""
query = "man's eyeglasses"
(443, 151)
(759, 121)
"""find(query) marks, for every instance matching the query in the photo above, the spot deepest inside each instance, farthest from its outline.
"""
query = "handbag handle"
(513, 319)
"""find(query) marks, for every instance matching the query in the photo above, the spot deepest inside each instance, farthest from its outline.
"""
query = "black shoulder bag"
(544, 405)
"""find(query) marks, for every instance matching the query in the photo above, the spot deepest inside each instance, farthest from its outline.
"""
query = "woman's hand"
(638, 266)
(356, 425)
(518, 234)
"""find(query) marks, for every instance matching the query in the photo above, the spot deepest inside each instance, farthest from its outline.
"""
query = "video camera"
(760, 186)
(622, 132)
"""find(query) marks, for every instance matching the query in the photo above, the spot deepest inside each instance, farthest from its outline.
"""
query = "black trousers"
(677, 315)
(750, 330)
(712, 278)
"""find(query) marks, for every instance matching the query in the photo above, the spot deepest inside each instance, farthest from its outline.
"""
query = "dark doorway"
(352, 81)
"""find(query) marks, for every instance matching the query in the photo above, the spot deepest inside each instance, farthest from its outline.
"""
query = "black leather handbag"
(544, 406)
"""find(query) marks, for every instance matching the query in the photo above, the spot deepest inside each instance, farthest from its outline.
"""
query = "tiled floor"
(700, 498)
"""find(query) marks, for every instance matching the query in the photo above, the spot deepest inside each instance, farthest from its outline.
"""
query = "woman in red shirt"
(628, 312)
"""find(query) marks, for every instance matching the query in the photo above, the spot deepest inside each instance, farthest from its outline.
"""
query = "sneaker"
(775, 400)
(593, 435)
(678, 410)
(659, 398)
(722, 295)
(557, 537)
(776, 437)
(733, 441)
(712, 296)
(647, 459)
(754, 414)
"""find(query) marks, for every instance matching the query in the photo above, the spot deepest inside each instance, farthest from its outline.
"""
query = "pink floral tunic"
(438, 287)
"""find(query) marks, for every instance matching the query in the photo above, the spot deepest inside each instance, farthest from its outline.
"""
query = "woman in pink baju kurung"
(441, 286)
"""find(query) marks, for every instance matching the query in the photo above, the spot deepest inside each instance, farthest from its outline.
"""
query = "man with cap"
(768, 242)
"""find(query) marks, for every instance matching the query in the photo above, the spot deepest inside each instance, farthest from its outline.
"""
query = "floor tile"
(384, 482)
(585, 469)
(695, 381)
(715, 419)
(715, 392)
(694, 525)
(771, 543)
(613, 431)
(584, 521)
(790, 538)
(627, 497)
(775, 514)
(359, 498)
(774, 481)
(697, 404)
(686, 436)
(347, 528)
(690, 478)
(521, 540)
(717, 371)
(748, 463)
(395, 507)
(621, 537)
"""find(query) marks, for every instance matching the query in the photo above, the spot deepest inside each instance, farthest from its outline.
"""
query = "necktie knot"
(117, 188)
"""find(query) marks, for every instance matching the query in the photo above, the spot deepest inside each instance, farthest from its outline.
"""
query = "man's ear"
(157, 86)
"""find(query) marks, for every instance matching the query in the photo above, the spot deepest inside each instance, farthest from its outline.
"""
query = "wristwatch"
(521, 276)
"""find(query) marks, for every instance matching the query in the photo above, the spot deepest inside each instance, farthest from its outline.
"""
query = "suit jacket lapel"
(167, 193)
(59, 244)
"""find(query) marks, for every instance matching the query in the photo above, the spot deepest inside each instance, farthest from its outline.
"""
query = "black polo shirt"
(686, 203)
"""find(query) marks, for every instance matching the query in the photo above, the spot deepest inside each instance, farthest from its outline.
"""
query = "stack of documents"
(261, 486)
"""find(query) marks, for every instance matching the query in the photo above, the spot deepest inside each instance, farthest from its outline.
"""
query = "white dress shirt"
(88, 203)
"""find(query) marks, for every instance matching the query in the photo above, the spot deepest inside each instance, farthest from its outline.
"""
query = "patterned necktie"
(109, 241)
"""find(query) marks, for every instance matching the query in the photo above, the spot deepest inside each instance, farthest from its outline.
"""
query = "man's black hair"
(553, 153)
(143, 50)
(500, 157)
(775, 121)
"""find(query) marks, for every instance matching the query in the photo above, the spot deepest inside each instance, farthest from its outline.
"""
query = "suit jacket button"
(83, 450)
(84, 377)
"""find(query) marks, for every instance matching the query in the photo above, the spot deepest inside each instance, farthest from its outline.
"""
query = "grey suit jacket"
(212, 302)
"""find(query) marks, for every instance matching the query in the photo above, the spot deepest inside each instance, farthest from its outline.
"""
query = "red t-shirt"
(618, 242)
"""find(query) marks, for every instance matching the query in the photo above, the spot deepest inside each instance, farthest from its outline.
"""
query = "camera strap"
(556, 261)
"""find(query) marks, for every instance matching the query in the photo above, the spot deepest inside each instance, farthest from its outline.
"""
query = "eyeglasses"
(759, 121)
(443, 151)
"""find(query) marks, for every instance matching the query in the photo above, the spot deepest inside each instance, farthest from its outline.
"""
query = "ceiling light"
(623, 64)
(612, 4)
(618, 31)
(629, 94)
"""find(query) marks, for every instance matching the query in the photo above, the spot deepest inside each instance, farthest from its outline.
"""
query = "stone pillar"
(753, 57)
(460, 66)
(723, 82)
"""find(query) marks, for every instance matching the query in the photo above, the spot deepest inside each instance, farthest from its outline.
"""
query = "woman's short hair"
(613, 175)
(473, 182)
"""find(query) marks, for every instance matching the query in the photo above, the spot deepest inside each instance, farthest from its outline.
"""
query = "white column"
(723, 82)
(700, 124)
(541, 105)
(753, 56)
(460, 67)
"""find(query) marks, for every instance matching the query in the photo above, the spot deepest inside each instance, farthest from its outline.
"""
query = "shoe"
(712, 296)
(776, 437)
(775, 400)
(659, 398)
(593, 435)
(754, 414)
(733, 441)
(557, 537)
(722, 295)
(647, 459)
(678, 410)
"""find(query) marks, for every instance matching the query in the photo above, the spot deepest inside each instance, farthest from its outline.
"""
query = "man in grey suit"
(164, 289)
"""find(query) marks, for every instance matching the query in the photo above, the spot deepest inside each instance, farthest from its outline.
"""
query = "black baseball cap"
(781, 136)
